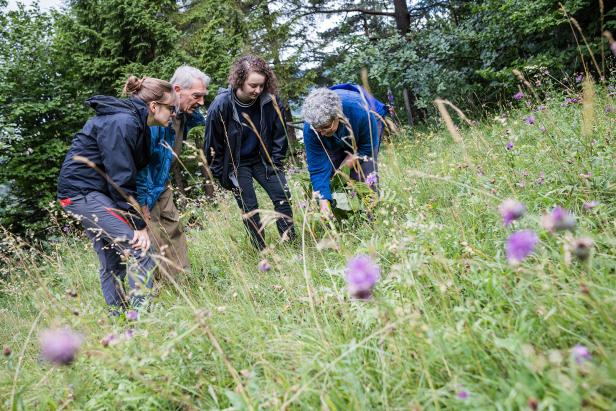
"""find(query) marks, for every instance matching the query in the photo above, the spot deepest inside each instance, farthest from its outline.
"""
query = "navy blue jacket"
(116, 140)
(223, 136)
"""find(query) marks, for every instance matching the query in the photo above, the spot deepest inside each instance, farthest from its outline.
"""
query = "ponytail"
(147, 88)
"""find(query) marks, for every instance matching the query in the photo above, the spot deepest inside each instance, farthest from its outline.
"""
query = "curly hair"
(321, 107)
(243, 66)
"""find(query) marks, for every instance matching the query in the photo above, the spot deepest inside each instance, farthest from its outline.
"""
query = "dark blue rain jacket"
(117, 141)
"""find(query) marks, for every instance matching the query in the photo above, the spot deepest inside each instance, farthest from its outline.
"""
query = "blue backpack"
(372, 103)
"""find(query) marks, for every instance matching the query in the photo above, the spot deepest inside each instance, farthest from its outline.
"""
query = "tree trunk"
(407, 106)
(403, 24)
(403, 19)
(291, 135)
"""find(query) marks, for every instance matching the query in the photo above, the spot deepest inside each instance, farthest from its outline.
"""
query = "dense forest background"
(414, 52)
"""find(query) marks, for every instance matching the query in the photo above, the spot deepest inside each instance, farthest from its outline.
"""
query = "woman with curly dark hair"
(245, 139)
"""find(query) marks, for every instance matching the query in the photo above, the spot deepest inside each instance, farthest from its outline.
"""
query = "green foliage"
(214, 34)
(111, 39)
(40, 107)
(466, 55)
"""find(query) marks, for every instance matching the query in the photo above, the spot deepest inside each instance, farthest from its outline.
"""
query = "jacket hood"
(107, 105)
(224, 91)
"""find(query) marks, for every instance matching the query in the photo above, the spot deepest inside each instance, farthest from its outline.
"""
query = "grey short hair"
(321, 107)
(185, 76)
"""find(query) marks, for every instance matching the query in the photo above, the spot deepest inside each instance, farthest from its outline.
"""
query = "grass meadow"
(451, 325)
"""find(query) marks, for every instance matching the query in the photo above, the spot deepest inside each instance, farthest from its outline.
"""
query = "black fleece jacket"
(223, 136)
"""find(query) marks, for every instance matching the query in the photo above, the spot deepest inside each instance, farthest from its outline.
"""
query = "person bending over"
(154, 192)
(97, 183)
(342, 127)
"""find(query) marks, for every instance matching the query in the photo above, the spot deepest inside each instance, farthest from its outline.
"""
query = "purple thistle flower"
(580, 354)
(509, 145)
(361, 275)
(264, 266)
(109, 339)
(132, 315)
(609, 109)
(371, 179)
(511, 210)
(463, 394)
(558, 219)
(542, 129)
(541, 178)
(130, 333)
(589, 205)
(520, 245)
(518, 96)
(571, 100)
(579, 78)
(582, 247)
(530, 119)
(60, 346)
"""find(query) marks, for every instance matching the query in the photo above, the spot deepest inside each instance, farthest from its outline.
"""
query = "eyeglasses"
(328, 129)
(198, 95)
(171, 107)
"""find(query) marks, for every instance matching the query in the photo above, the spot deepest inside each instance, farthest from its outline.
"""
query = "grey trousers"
(110, 235)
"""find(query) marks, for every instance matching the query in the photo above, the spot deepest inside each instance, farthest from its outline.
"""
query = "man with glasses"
(154, 192)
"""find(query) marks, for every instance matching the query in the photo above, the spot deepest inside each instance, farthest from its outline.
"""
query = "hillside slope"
(452, 324)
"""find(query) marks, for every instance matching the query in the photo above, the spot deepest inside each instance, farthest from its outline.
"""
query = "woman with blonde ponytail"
(97, 183)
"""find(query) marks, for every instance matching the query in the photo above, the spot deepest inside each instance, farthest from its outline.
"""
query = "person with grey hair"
(154, 192)
(343, 125)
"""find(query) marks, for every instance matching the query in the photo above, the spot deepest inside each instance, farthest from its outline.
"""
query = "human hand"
(141, 240)
(350, 160)
(326, 210)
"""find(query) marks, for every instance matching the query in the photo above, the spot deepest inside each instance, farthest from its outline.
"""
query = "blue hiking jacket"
(152, 180)
(116, 141)
(358, 106)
